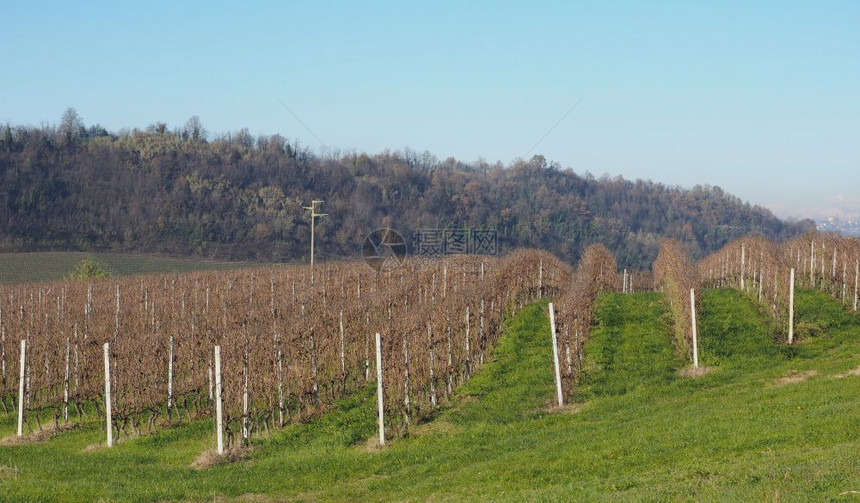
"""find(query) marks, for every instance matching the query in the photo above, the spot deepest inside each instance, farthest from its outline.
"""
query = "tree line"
(237, 196)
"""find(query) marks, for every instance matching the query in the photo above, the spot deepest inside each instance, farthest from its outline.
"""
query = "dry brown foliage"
(280, 334)
(595, 274)
(675, 275)
(761, 269)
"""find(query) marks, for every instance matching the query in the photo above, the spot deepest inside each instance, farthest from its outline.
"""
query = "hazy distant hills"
(241, 197)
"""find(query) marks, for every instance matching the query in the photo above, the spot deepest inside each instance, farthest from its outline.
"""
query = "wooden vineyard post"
(280, 383)
(342, 349)
(791, 307)
(246, 433)
(695, 333)
(567, 358)
(833, 271)
(468, 347)
(366, 347)
(555, 356)
(219, 421)
(379, 389)
(450, 353)
(540, 280)
(578, 349)
(856, 275)
(760, 284)
(21, 388)
(170, 381)
(77, 361)
(66, 382)
(211, 382)
(801, 261)
(812, 265)
(432, 364)
(482, 340)
(108, 418)
(406, 382)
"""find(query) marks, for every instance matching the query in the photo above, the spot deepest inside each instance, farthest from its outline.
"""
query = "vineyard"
(764, 271)
(293, 343)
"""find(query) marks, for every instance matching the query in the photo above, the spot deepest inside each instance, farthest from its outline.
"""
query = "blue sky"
(760, 98)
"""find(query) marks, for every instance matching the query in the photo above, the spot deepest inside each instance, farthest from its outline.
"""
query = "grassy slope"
(642, 433)
(52, 266)
(630, 350)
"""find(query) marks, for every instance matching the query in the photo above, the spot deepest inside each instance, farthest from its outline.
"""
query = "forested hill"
(241, 197)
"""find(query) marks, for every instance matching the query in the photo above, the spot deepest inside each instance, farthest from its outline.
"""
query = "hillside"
(240, 198)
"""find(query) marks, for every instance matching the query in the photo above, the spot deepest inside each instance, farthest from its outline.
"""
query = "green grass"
(641, 432)
(52, 266)
(629, 350)
(733, 330)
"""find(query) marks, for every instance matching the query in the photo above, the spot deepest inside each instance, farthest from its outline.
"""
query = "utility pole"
(314, 214)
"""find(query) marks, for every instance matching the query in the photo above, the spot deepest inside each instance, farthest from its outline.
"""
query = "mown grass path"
(641, 432)
(629, 349)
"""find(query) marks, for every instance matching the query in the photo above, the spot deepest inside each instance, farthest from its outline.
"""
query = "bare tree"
(72, 126)
(159, 128)
(194, 129)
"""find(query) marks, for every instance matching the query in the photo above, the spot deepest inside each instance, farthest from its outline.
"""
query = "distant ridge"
(240, 197)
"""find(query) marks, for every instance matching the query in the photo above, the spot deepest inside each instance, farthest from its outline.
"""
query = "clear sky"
(761, 98)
